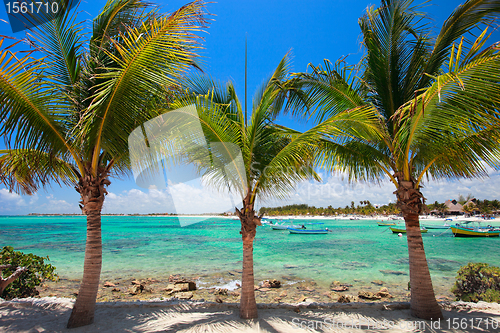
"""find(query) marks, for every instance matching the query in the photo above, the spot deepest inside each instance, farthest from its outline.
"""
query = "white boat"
(309, 231)
(285, 226)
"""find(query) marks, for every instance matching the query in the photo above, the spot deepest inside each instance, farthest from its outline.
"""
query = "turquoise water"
(158, 246)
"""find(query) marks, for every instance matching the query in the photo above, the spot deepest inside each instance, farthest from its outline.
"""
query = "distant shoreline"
(397, 219)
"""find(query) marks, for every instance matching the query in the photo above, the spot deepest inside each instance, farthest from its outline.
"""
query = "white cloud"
(182, 198)
(10, 201)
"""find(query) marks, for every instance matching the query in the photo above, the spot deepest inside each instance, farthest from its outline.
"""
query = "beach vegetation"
(21, 273)
(67, 115)
(436, 98)
(477, 282)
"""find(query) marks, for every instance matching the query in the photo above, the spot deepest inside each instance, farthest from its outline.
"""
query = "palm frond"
(149, 59)
(25, 171)
(33, 115)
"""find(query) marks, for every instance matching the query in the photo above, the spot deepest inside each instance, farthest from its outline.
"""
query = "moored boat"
(474, 229)
(285, 226)
(385, 224)
(308, 231)
(403, 231)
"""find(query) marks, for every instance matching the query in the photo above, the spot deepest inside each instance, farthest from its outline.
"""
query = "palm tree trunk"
(92, 191)
(248, 305)
(423, 302)
(249, 222)
(83, 310)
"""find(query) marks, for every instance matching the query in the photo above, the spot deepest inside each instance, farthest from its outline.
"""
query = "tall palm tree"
(274, 158)
(437, 101)
(67, 117)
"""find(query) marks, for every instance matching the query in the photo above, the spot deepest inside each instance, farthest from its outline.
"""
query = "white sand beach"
(51, 315)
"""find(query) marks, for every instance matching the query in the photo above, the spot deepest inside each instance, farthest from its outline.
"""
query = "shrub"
(477, 282)
(37, 271)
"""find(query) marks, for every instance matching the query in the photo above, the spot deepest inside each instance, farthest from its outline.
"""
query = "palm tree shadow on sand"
(185, 317)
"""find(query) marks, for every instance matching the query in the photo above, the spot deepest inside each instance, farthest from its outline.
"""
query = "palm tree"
(67, 117)
(437, 101)
(274, 158)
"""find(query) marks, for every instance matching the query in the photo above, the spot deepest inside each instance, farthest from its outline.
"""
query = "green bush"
(477, 282)
(25, 285)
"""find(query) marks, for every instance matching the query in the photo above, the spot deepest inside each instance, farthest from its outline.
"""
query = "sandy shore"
(51, 315)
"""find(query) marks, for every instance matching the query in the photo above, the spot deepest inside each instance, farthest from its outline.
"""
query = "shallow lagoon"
(139, 246)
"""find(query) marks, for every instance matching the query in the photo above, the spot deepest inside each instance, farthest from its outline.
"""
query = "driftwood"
(5, 282)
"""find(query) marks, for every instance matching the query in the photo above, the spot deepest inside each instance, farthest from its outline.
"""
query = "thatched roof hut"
(453, 207)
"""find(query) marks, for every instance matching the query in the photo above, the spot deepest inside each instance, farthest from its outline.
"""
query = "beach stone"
(255, 287)
(136, 282)
(136, 289)
(265, 289)
(283, 293)
(184, 295)
(367, 295)
(115, 289)
(218, 300)
(220, 291)
(302, 299)
(170, 287)
(109, 285)
(174, 278)
(384, 292)
(345, 299)
(185, 286)
(337, 286)
(378, 282)
(271, 284)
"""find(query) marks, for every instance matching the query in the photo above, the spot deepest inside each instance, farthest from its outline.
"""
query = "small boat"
(468, 229)
(403, 231)
(385, 224)
(285, 226)
(304, 230)
(308, 231)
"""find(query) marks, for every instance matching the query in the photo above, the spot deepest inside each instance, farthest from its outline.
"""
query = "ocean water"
(141, 247)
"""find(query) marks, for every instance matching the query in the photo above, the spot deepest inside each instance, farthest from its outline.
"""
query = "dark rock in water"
(388, 271)
(367, 295)
(290, 266)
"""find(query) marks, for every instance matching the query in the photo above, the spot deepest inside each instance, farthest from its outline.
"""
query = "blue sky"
(312, 30)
